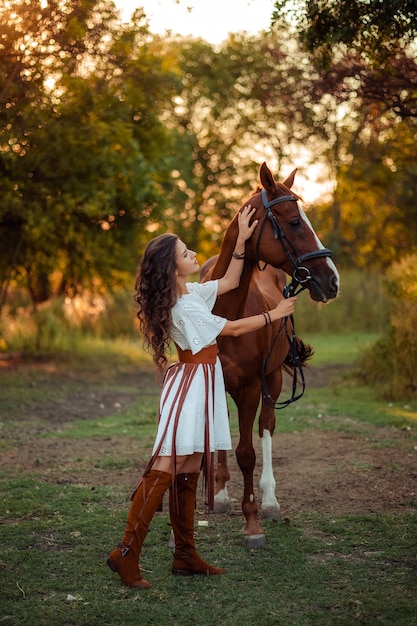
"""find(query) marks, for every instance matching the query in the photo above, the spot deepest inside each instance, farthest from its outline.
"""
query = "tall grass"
(70, 326)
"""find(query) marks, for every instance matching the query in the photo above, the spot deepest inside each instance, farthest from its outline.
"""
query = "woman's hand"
(285, 308)
(233, 273)
(243, 218)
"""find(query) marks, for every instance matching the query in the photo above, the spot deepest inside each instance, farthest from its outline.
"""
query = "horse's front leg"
(247, 404)
(270, 506)
(221, 477)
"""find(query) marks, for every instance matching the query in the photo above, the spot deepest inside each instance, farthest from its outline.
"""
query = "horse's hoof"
(271, 513)
(221, 501)
(220, 507)
(255, 541)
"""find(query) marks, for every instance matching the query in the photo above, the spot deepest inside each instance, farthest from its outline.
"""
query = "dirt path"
(319, 471)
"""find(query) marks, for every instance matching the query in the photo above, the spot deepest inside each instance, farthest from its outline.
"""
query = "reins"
(297, 368)
(300, 277)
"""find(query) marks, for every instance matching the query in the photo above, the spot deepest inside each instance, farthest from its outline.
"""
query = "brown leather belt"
(206, 355)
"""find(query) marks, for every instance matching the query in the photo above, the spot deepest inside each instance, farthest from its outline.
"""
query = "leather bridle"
(300, 277)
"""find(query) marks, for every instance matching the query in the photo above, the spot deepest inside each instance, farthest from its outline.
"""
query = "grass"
(315, 571)
(336, 348)
(345, 407)
(137, 421)
(356, 569)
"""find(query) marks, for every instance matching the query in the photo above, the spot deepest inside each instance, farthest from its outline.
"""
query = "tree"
(364, 47)
(373, 28)
(238, 104)
(82, 151)
(367, 57)
(367, 68)
(376, 196)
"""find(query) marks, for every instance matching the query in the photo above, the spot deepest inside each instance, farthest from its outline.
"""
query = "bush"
(391, 364)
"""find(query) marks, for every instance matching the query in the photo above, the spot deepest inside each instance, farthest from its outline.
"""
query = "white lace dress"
(193, 414)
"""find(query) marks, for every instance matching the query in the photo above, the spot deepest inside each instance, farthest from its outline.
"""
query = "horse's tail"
(304, 352)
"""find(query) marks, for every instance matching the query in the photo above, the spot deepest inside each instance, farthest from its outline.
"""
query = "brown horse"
(285, 241)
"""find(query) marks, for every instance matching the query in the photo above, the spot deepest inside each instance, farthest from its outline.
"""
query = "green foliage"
(371, 221)
(365, 94)
(381, 180)
(391, 364)
(111, 135)
(372, 26)
(82, 155)
(235, 103)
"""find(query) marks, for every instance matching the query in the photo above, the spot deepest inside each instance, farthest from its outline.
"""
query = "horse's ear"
(267, 180)
(290, 180)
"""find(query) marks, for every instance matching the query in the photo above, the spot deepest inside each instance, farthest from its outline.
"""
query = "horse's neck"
(231, 304)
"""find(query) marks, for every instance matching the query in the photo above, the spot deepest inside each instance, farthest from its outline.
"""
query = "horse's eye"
(295, 223)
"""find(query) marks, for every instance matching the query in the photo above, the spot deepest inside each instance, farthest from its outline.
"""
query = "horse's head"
(285, 238)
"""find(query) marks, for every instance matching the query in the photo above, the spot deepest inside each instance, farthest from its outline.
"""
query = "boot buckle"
(123, 549)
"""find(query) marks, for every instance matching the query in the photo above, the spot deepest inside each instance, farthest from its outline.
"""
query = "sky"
(212, 20)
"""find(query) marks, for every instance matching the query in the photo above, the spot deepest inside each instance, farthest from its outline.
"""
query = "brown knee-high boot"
(125, 558)
(187, 561)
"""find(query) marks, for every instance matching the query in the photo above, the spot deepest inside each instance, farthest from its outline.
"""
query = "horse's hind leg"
(222, 476)
(270, 506)
(247, 403)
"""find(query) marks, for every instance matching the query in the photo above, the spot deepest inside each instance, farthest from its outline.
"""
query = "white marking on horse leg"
(270, 504)
(221, 501)
(171, 541)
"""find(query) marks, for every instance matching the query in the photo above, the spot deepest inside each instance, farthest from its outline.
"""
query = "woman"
(193, 417)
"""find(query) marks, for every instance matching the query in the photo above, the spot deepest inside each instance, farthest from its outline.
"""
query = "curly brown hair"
(156, 294)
